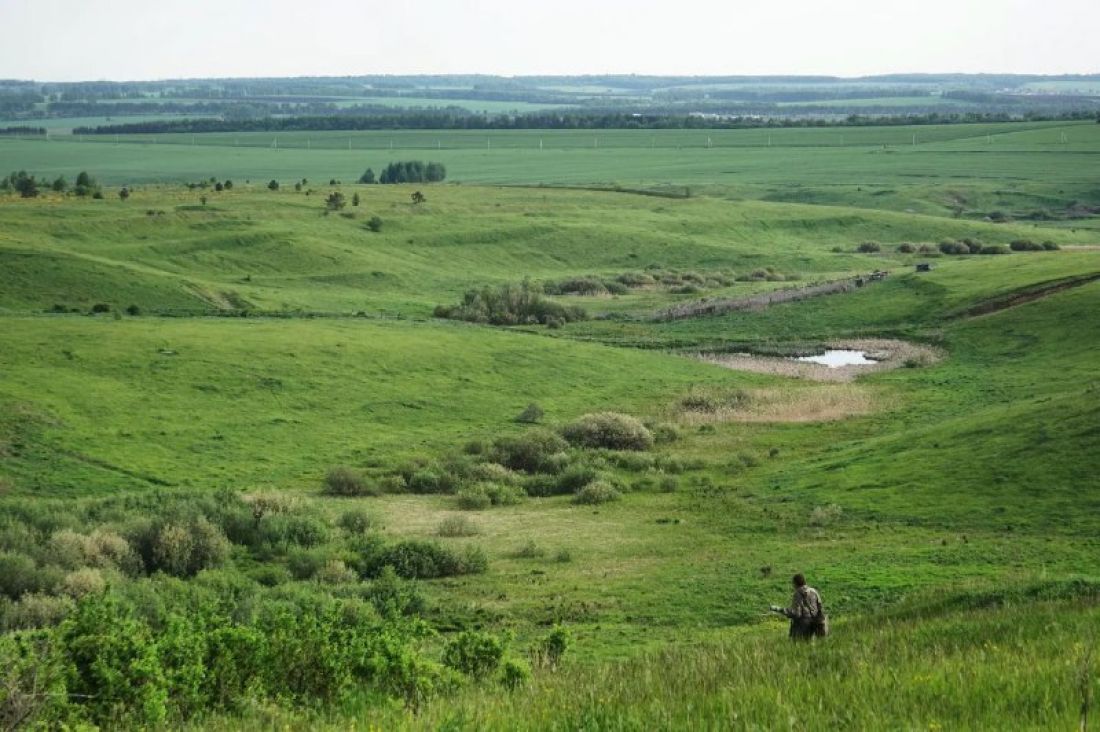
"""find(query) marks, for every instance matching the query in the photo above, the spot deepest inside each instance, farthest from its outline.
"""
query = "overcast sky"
(155, 39)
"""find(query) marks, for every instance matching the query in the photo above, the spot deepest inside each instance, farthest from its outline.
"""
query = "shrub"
(608, 430)
(563, 556)
(670, 484)
(995, 249)
(509, 304)
(664, 433)
(101, 307)
(528, 452)
(869, 247)
(374, 223)
(575, 477)
(514, 674)
(425, 560)
(503, 495)
(431, 481)
(83, 582)
(304, 565)
(1050, 246)
(335, 572)
(474, 654)
(133, 310)
(595, 493)
(183, 549)
(356, 521)
(335, 201)
(343, 481)
(531, 414)
(473, 498)
(1025, 245)
(18, 575)
(35, 610)
(493, 473)
(456, 526)
(549, 651)
(906, 248)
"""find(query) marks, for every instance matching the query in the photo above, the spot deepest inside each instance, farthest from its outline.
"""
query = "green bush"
(474, 654)
(575, 477)
(995, 249)
(473, 498)
(432, 481)
(356, 521)
(343, 481)
(514, 674)
(550, 651)
(596, 493)
(531, 414)
(183, 549)
(305, 565)
(504, 495)
(456, 526)
(608, 430)
(528, 452)
(869, 247)
(425, 560)
(34, 610)
(906, 248)
(510, 304)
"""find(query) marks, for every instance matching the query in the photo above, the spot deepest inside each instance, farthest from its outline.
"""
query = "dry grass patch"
(792, 404)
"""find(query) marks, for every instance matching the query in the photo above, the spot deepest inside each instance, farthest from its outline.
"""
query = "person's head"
(798, 580)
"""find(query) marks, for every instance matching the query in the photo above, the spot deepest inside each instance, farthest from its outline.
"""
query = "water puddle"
(837, 358)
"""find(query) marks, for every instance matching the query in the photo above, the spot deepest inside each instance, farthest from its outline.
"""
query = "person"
(806, 613)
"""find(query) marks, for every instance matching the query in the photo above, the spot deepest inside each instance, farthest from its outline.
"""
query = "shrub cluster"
(608, 430)
(510, 304)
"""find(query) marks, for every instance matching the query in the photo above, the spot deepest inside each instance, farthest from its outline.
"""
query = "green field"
(247, 344)
(1024, 169)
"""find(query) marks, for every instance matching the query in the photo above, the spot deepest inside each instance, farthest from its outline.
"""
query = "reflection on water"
(836, 358)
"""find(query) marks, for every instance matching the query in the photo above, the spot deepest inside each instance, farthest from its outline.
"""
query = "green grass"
(1018, 167)
(951, 526)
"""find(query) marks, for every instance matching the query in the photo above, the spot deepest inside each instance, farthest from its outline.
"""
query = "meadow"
(224, 414)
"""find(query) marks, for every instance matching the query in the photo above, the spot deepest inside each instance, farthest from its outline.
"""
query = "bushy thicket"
(510, 304)
(608, 430)
(145, 611)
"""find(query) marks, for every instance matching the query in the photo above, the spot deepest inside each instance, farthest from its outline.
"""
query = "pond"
(836, 358)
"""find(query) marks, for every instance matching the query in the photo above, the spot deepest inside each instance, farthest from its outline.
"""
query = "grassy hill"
(947, 511)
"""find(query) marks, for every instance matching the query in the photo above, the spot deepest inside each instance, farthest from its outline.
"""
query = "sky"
(67, 40)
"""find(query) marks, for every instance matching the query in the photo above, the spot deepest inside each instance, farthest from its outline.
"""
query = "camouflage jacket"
(805, 604)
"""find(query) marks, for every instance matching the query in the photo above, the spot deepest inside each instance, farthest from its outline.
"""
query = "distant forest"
(576, 121)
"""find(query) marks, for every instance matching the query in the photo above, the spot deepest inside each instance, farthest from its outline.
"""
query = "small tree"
(59, 184)
(219, 187)
(418, 198)
(355, 199)
(335, 201)
(273, 185)
(367, 177)
(375, 224)
(124, 193)
(228, 185)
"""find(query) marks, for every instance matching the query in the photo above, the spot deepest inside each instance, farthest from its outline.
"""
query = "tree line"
(549, 121)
